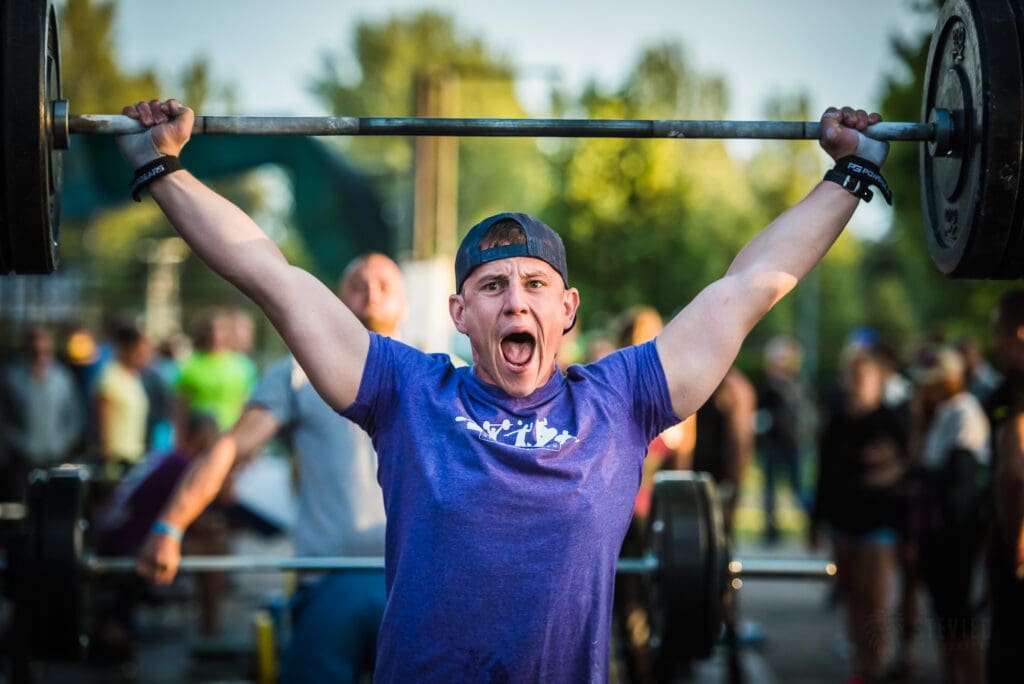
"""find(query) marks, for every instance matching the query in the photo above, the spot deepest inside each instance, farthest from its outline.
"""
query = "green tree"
(390, 58)
(648, 221)
(110, 248)
(92, 78)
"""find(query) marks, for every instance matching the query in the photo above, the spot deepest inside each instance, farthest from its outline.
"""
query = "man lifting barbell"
(508, 486)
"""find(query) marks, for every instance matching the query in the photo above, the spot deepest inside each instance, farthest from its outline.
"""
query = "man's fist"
(841, 135)
(159, 558)
(169, 125)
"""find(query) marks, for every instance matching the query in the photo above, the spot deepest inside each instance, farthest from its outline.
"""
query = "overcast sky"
(270, 49)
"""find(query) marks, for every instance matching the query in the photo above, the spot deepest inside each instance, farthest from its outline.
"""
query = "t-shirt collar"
(539, 396)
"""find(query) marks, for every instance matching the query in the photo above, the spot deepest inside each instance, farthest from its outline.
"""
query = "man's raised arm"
(700, 344)
(325, 337)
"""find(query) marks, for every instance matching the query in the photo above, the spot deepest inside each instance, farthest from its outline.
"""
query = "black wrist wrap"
(855, 175)
(159, 167)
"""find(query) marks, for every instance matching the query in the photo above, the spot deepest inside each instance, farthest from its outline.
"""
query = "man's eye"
(536, 283)
(490, 287)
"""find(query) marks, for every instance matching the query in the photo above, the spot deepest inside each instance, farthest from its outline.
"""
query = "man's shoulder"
(13, 370)
(617, 364)
(280, 384)
(394, 372)
(404, 356)
(61, 371)
(192, 369)
(110, 376)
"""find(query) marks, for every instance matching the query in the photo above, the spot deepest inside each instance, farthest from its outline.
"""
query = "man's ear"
(457, 309)
(571, 304)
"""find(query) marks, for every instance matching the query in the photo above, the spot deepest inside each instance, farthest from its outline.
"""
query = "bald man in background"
(335, 616)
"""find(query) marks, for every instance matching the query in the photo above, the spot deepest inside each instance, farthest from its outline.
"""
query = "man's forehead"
(376, 267)
(521, 265)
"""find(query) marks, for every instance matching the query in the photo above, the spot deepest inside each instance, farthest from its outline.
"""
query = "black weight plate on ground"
(5, 236)
(30, 218)
(968, 197)
(687, 536)
(59, 624)
(1013, 260)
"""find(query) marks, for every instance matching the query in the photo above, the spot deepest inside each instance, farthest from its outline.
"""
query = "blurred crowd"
(110, 397)
(136, 412)
(907, 467)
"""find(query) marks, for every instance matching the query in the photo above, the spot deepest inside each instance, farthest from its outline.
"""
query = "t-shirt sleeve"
(274, 391)
(390, 367)
(636, 375)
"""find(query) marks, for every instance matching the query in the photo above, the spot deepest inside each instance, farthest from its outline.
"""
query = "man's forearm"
(200, 484)
(220, 233)
(208, 473)
(791, 245)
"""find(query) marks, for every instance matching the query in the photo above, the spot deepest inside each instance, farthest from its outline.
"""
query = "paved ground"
(801, 638)
(800, 633)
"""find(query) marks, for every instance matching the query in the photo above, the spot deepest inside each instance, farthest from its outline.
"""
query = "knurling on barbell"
(971, 168)
(116, 124)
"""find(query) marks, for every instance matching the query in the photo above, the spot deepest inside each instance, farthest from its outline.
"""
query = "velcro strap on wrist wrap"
(855, 174)
(146, 174)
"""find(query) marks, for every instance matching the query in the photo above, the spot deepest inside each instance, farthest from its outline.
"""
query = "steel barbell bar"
(116, 124)
(759, 567)
(686, 563)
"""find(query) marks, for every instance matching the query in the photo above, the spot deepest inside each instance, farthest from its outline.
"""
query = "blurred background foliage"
(644, 221)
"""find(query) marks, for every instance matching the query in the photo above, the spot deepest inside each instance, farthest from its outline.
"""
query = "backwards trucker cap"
(541, 243)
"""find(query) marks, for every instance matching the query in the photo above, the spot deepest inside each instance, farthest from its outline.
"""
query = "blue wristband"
(160, 527)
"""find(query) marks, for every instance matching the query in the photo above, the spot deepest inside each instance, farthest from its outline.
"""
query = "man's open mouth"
(517, 349)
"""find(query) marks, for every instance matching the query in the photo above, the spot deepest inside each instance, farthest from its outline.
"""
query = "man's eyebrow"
(535, 274)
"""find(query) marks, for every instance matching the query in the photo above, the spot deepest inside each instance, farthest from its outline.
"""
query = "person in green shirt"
(215, 378)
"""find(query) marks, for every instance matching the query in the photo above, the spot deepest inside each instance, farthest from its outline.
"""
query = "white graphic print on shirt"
(531, 435)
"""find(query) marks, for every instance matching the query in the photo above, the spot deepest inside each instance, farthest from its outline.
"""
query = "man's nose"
(515, 298)
(373, 293)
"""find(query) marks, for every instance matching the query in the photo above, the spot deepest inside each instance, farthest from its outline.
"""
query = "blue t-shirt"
(505, 515)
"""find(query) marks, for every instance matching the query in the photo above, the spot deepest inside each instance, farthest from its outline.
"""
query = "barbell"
(970, 159)
(686, 565)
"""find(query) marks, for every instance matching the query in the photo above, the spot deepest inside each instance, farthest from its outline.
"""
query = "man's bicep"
(325, 337)
(699, 345)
